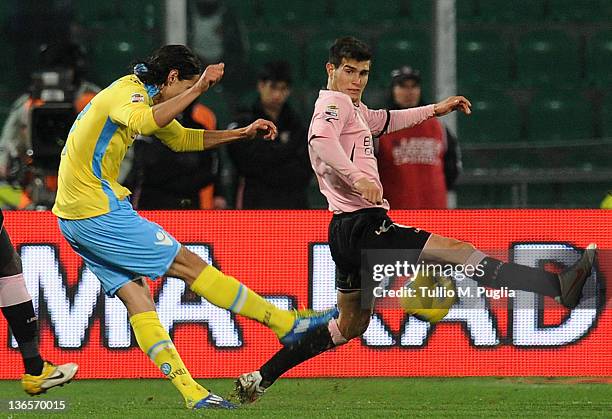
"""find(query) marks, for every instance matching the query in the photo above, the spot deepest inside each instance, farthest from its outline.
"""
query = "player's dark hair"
(154, 70)
(349, 48)
(275, 71)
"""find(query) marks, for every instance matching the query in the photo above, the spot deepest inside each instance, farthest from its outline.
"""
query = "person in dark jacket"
(276, 173)
(163, 179)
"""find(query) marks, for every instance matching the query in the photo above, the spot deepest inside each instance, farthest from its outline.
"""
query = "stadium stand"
(517, 11)
(296, 13)
(559, 115)
(599, 58)
(606, 116)
(537, 71)
(266, 45)
(112, 56)
(145, 15)
(482, 58)
(496, 118)
(575, 11)
(9, 80)
(403, 47)
(316, 52)
(548, 56)
(384, 13)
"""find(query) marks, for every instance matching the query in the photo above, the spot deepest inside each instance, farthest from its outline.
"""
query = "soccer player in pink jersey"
(17, 307)
(341, 146)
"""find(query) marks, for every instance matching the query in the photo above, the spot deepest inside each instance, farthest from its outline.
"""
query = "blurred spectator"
(417, 165)
(164, 179)
(216, 34)
(31, 23)
(38, 124)
(276, 173)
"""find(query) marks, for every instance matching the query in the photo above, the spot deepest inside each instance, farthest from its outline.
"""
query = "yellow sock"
(226, 292)
(156, 343)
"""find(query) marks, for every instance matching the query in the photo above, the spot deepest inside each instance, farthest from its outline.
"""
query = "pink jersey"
(341, 145)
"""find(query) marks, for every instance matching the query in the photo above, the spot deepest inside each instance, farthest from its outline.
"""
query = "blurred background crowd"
(536, 71)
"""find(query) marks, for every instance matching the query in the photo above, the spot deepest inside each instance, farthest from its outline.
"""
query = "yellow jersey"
(98, 140)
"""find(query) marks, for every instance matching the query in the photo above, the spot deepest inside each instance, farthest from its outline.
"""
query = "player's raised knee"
(13, 267)
(444, 249)
(187, 266)
(353, 326)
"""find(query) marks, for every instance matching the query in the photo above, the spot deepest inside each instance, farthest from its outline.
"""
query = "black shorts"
(369, 228)
(7, 252)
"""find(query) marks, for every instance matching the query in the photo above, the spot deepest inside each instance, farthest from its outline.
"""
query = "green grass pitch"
(339, 398)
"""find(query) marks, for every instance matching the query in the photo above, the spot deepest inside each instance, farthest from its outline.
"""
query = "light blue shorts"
(120, 246)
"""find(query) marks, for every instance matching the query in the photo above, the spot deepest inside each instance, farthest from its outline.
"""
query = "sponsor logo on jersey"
(138, 97)
(331, 110)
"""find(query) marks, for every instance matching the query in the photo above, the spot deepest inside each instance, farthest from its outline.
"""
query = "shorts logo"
(383, 228)
(163, 239)
(165, 368)
(137, 97)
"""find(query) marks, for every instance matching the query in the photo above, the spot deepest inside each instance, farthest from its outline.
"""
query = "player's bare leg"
(219, 289)
(154, 341)
(227, 292)
(566, 287)
(136, 296)
(16, 306)
(353, 321)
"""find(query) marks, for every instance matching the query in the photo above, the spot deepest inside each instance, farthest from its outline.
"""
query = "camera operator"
(38, 124)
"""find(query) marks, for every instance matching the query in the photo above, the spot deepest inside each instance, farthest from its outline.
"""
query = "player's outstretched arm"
(406, 118)
(165, 112)
(260, 128)
(451, 104)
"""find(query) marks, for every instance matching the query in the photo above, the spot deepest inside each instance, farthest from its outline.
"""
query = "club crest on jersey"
(138, 97)
(331, 110)
(166, 368)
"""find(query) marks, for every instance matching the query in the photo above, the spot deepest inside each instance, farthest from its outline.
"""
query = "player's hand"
(453, 103)
(369, 191)
(211, 76)
(261, 128)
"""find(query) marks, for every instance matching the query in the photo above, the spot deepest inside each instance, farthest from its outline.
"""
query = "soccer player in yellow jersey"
(120, 247)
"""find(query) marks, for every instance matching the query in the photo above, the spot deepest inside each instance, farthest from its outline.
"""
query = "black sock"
(24, 325)
(288, 357)
(499, 274)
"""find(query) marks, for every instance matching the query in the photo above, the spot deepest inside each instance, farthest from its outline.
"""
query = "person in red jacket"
(417, 165)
